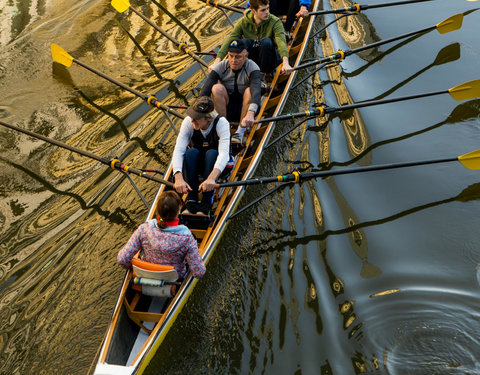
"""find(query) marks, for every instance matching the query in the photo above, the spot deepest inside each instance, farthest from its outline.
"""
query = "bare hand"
(247, 121)
(207, 185)
(181, 185)
(303, 12)
(286, 68)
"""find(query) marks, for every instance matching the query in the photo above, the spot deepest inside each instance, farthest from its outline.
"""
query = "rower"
(290, 8)
(265, 36)
(163, 241)
(235, 87)
(208, 135)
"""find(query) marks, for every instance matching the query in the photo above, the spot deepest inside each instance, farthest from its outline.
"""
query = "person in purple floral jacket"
(163, 241)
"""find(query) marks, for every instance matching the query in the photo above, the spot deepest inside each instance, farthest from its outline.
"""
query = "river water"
(375, 272)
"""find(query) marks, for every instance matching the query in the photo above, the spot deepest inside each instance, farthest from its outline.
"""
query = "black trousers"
(285, 7)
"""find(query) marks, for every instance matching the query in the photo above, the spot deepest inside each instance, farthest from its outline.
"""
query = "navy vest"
(203, 144)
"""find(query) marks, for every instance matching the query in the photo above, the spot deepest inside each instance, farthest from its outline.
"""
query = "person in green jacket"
(265, 37)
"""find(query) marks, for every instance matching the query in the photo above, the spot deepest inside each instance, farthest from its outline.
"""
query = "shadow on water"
(471, 193)
(446, 55)
(119, 216)
(461, 113)
(62, 74)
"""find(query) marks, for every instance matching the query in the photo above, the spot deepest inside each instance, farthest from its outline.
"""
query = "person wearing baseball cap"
(235, 87)
(208, 135)
(265, 36)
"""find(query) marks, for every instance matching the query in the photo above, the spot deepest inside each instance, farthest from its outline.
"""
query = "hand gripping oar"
(467, 90)
(470, 161)
(62, 57)
(356, 8)
(122, 5)
(216, 4)
(450, 24)
(112, 163)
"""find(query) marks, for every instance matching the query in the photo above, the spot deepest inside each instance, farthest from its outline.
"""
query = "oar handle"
(117, 164)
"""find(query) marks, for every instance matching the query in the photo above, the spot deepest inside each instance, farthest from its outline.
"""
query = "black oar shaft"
(149, 99)
(219, 5)
(181, 46)
(340, 55)
(310, 175)
(383, 5)
(365, 7)
(112, 80)
(115, 164)
(327, 110)
(389, 40)
(384, 101)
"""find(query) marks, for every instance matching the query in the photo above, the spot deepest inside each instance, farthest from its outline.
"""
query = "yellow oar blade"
(60, 55)
(450, 24)
(467, 90)
(120, 5)
(470, 160)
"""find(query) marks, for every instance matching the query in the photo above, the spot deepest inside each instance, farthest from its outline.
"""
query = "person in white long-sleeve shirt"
(208, 135)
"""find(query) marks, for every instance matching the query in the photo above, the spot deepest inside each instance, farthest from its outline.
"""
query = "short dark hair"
(168, 207)
(255, 4)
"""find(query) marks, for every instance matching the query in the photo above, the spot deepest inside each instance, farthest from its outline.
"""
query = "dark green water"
(375, 272)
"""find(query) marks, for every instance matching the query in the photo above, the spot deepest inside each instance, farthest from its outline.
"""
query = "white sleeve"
(223, 131)
(184, 136)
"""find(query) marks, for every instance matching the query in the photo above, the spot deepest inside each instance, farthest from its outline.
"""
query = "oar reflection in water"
(119, 216)
(471, 193)
(446, 55)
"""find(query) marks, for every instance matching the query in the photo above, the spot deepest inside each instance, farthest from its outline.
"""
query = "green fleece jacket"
(246, 28)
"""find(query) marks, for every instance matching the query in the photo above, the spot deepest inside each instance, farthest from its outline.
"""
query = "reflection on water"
(353, 274)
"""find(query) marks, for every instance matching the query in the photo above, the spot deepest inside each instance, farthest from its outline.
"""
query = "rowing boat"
(140, 322)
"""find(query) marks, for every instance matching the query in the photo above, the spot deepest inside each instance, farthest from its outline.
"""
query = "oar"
(122, 5)
(62, 57)
(356, 8)
(112, 163)
(450, 24)
(467, 90)
(216, 4)
(470, 161)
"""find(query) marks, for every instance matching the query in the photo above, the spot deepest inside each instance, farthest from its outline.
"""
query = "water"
(375, 272)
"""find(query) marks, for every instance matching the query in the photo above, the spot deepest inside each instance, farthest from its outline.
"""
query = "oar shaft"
(310, 175)
(384, 101)
(218, 5)
(149, 99)
(56, 143)
(389, 40)
(383, 5)
(340, 55)
(115, 164)
(365, 7)
(181, 46)
(112, 80)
